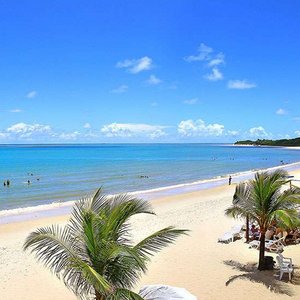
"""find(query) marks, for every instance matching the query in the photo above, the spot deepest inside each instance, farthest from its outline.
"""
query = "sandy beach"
(196, 262)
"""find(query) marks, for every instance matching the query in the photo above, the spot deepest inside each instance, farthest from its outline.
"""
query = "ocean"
(45, 174)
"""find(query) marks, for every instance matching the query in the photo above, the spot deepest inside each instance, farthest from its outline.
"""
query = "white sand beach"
(196, 262)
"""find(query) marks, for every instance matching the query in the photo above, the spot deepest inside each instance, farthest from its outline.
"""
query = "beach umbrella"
(164, 292)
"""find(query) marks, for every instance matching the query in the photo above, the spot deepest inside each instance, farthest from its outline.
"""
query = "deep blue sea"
(67, 172)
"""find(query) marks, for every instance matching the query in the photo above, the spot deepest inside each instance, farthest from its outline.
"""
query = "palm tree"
(94, 254)
(265, 200)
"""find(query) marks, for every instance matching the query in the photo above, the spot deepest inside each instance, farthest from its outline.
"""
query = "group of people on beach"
(274, 232)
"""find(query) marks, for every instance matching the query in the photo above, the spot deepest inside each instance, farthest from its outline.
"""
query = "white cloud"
(297, 132)
(281, 112)
(28, 131)
(199, 128)
(16, 110)
(153, 80)
(27, 128)
(206, 54)
(217, 60)
(87, 126)
(214, 75)
(69, 136)
(31, 94)
(4, 135)
(133, 130)
(258, 132)
(191, 101)
(154, 104)
(203, 54)
(20, 132)
(136, 65)
(233, 132)
(240, 84)
(120, 89)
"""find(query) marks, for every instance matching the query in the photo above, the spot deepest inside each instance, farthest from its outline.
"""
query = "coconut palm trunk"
(247, 229)
(261, 262)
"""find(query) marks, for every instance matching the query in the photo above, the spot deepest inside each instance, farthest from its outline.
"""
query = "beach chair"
(275, 245)
(254, 244)
(227, 237)
(235, 232)
(286, 260)
(270, 245)
(284, 268)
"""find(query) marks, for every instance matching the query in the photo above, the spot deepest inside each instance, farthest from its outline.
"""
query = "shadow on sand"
(269, 278)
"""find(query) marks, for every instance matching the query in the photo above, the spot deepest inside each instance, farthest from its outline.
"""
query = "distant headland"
(279, 143)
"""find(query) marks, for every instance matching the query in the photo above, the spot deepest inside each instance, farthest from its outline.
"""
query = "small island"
(279, 143)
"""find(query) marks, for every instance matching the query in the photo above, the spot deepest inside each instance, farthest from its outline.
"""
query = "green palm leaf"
(94, 254)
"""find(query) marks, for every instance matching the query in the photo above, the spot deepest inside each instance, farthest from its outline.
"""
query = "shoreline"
(64, 208)
(196, 262)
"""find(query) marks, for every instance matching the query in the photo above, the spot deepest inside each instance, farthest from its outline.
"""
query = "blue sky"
(148, 71)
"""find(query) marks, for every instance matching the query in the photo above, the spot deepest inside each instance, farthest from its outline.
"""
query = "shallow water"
(66, 172)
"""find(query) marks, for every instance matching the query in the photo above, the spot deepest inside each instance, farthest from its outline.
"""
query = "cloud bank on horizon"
(186, 131)
(135, 77)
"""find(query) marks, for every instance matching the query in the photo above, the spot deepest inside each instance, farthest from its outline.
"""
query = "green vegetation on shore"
(263, 200)
(283, 143)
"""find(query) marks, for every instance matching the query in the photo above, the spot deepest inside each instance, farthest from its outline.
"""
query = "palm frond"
(93, 278)
(52, 246)
(93, 254)
(124, 294)
(158, 240)
(122, 208)
(288, 218)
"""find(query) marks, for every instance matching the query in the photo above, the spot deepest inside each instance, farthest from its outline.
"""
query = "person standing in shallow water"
(229, 180)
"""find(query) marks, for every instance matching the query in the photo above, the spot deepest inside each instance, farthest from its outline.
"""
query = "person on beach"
(7, 182)
(4, 183)
(229, 180)
(270, 233)
(254, 232)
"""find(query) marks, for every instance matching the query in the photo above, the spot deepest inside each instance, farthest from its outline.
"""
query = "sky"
(149, 71)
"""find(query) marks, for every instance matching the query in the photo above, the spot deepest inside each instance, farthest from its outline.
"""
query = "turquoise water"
(66, 172)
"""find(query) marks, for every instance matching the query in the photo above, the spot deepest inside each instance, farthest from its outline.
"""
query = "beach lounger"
(284, 267)
(254, 244)
(227, 237)
(275, 245)
(235, 232)
(270, 245)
